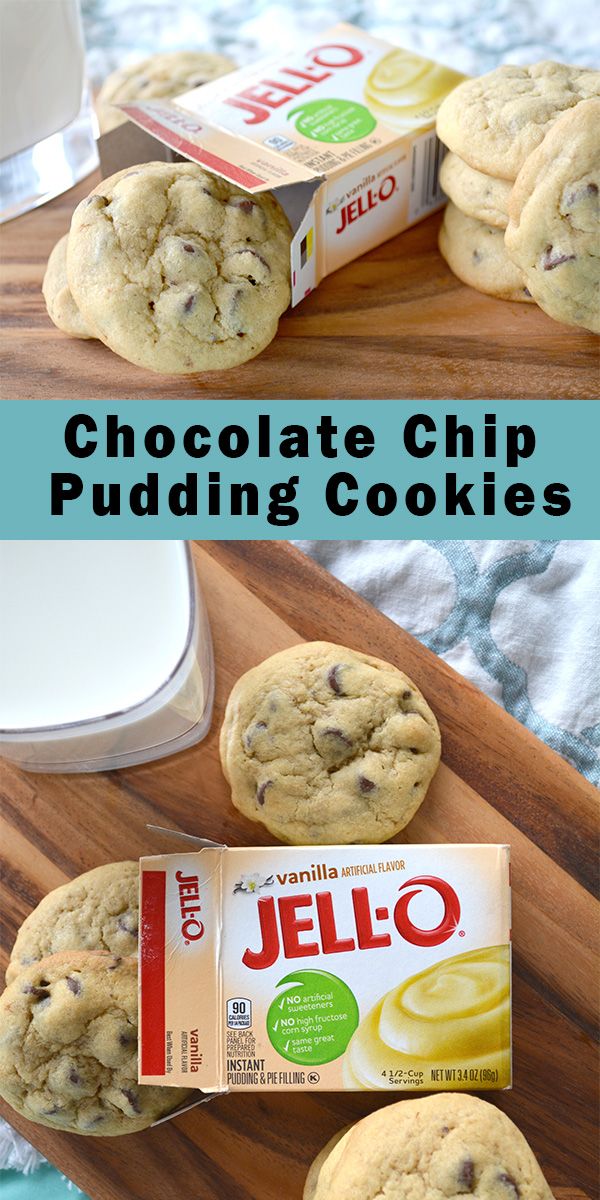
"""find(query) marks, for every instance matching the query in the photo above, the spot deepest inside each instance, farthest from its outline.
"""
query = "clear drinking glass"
(47, 125)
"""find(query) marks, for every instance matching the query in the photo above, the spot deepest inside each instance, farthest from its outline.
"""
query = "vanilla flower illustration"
(253, 883)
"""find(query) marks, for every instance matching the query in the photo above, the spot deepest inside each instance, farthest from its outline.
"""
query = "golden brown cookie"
(323, 744)
(177, 270)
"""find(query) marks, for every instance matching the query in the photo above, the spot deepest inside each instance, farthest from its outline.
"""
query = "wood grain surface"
(497, 783)
(394, 323)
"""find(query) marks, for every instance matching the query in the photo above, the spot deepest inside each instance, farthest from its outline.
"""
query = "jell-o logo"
(281, 924)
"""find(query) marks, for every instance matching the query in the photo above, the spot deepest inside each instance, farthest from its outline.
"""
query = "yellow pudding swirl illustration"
(455, 1016)
(404, 90)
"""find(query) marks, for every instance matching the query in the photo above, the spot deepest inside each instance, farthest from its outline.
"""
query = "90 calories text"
(211, 492)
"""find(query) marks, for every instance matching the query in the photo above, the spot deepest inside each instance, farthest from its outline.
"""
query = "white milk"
(41, 70)
(105, 653)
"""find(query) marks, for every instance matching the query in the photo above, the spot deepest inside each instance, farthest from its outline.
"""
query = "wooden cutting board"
(394, 323)
(498, 783)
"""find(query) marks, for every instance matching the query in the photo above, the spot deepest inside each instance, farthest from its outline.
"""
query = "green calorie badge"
(314, 1019)
(333, 120)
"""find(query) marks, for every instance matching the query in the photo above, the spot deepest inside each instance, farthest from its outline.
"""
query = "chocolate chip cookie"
(477, 254)
(68, 1047)
(478, 195)
(323, 744)
(495, 121)
(95, 911)
(554, 231)
(60, 304)
(441, 1145)
(177, 270)
(168, 74)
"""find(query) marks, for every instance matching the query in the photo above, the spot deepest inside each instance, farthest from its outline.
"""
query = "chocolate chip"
(592, 189)
(189, 304)
(241, 335)
(151, 305)
(40, 993)
(406, 695)
(127, 1039)
(365, 785)
(115, 963)
(73, 985)
(445, 1130)
(549, 262)
(413, 750)
(526, 292)
(333, 679)
(477, 257)
(94, 1121)
(465, 1176)
(52, 1112)
(74, 1078)
(132, 1098)
(260, 791)
(189, 249)
(509, 1183)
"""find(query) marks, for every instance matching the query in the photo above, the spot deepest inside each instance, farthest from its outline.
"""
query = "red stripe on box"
(152, 972)
(206, 159)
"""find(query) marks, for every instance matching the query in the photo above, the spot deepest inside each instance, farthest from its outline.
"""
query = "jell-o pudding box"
(337, 968)
(340, 128)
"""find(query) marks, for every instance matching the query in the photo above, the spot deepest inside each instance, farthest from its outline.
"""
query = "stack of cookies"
(523, 177)
(68, 1016)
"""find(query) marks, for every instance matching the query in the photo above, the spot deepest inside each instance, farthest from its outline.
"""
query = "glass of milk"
(105, 654)
(47, 129)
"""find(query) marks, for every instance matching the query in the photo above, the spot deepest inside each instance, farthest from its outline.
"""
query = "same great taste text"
(208, 491)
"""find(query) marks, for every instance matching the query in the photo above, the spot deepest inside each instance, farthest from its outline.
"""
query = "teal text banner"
(316, 469)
